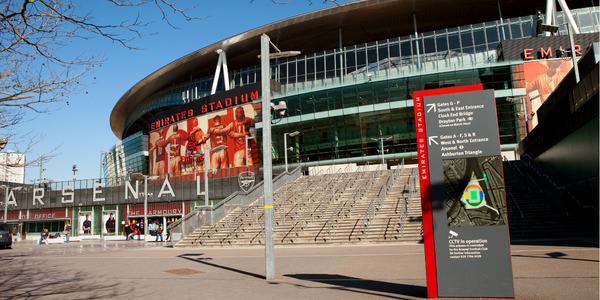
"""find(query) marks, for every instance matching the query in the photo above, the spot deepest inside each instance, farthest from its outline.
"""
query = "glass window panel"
(527, 29)
(320, 64)
(310, 66)
(516, 31)
(405, 47)
(442, 43)
(466, 39)
(383, 52)
(329, 62)
(372, 55)
(454, 41)
(395, 50)
(429, 45)
(585, 19)
(361, 58)
(350, 61)
(479, 37)
(492, 34)
(301, 69)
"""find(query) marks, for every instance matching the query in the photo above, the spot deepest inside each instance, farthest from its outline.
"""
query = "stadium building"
(353, 82)
(349, 90)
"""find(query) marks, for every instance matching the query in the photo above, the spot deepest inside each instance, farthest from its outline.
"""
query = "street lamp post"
(138, 176)
(382, 150)
(41, 170)
(285, 146)
(102, 163)
(265, 74)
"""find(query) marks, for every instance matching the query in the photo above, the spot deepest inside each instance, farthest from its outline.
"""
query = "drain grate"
(184, 272)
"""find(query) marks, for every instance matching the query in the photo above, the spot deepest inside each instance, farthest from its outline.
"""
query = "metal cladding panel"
(511, 49)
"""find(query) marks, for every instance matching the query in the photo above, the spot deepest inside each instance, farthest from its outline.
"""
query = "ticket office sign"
(468, 208)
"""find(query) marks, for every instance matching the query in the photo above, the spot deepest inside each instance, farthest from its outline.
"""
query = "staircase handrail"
(557, 202)
(219, 207)
(511, 197)
(533, 181)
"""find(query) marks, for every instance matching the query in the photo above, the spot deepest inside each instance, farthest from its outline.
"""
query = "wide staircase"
(538, 209)
(342, 207)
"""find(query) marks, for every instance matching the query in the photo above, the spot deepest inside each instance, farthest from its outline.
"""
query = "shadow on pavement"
(575, 242)
(34, 279)
(366, 286)
(555, 255)
(204, 261)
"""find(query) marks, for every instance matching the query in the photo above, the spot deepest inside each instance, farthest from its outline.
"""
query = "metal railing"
(510, 196)
(408, 202)
(202, 216)
(548, 193)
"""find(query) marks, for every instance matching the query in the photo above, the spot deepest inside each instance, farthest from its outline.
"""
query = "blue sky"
(82, 127)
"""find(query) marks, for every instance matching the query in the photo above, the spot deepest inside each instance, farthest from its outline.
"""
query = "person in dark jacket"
(110, 224)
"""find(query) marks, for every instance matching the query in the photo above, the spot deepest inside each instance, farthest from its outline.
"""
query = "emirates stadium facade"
(352, 83)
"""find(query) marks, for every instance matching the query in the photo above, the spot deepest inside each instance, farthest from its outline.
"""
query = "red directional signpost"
(465, 225)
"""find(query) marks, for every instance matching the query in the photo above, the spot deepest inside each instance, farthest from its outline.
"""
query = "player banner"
(179, 136)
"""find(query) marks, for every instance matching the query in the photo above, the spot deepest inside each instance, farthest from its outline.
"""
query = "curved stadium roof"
(361, 22)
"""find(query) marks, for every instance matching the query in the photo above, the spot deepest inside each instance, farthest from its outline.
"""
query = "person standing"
(159, 232)
(110, 224)
(67, 230)
(87, 225)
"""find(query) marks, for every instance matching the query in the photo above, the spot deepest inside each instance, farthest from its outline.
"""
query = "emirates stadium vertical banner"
(465, 222)
(180, 136)
(541, 79)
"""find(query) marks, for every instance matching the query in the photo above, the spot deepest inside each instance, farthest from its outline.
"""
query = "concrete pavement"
(565, 269)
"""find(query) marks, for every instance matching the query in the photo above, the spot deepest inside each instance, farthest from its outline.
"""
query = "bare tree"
(35, 74)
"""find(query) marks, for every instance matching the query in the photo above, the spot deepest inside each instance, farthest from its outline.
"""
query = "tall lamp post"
(138, 176)
(265, 74)
(207, 151)
(102, 163)
(382, 151)
(295, 133)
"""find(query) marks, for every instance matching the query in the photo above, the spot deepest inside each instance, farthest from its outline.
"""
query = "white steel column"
(222, 61)
(417, 41)
(569, 16)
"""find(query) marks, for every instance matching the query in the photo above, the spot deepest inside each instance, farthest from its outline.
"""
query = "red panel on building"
(156, 209)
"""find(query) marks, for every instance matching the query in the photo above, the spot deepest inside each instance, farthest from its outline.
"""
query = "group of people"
(133, 229)
(194, 142)
(45, 235)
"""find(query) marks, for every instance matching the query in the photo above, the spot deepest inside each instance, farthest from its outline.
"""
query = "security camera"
(279, 110)
(452, 234)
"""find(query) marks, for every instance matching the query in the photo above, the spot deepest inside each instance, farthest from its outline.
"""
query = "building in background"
(12, 166)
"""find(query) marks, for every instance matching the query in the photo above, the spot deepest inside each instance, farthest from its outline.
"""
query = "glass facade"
(130, 153)
(342, 98)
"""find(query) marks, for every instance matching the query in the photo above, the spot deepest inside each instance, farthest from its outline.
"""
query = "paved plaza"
(566, 269)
